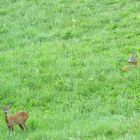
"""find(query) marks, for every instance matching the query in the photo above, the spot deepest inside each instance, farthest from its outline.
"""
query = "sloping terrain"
(61, 61)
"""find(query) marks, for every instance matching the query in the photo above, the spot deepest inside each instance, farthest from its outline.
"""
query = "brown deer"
(19, 118)
(133, 62)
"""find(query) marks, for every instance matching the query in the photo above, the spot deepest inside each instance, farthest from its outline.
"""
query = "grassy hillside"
(60, 60)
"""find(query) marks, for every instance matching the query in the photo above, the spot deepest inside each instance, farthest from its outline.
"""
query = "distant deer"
(133, 62)
(19, 118)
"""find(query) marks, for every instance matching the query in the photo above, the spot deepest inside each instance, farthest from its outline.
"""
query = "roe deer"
(132, 61)
(19, 118)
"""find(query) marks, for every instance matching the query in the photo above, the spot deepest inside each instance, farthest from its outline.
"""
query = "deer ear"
(9, 106)
(134, 54)
(2, 106)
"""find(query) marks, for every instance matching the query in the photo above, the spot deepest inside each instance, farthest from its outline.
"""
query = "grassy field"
(61, 61)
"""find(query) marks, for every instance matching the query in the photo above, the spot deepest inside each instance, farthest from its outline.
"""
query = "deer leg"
(24, 126)
(21, 127)
(11, 129)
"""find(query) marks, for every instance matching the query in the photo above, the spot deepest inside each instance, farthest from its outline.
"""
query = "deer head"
(6, 109)
(133, 59)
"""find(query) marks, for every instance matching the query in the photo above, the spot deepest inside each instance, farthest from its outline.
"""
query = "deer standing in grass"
(19, 118)
(133, 62)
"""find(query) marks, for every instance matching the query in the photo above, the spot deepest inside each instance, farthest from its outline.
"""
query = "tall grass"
(60, 61)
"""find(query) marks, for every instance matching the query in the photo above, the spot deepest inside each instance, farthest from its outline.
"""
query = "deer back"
(18, 118)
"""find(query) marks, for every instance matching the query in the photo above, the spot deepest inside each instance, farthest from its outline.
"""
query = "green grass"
(61, 61)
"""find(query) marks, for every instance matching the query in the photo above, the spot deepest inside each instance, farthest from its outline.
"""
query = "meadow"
(61, 61)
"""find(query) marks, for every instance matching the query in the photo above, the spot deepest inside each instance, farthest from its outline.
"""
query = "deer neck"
(6, 118)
